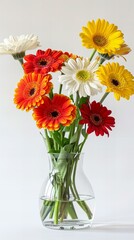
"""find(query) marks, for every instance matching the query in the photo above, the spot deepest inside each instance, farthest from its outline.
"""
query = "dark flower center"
(99, 40)
(43, 62)
(32, 91)
(115, 82)
(54, 114)
(96, 119)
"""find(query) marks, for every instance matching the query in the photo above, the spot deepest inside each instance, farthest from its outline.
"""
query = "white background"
(109, 162)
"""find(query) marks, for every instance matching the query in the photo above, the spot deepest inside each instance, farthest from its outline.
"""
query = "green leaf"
(74, 137)
(66, 129)
(53, 151)
(65, 141)
(68, 148)
(83, 100)
(71, 96)
(46, 141)
(57, 137)
(61, 165)
(84, 133)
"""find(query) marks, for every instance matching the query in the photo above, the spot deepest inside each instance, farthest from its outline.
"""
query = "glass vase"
(66, 199)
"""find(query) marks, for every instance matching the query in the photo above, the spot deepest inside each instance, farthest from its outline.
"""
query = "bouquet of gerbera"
(68, 119)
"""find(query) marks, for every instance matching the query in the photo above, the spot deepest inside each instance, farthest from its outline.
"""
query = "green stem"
(74, 175)
(71, 210)
(78, 138)
(56, 212)
(47, 140)
(92, 55)
(60, 89)
(51, 93)
(52, 212)
(72, 127)
(63, 211)
(57, 205)
(102, 60)
(46, 209)
(21, 61)
(82, 145)
(82, 204)
(19, 57)
(104, 96)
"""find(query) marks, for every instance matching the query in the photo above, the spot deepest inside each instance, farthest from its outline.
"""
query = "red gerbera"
(54, 112)
(31, 89)
(43, 62)
(97, 118)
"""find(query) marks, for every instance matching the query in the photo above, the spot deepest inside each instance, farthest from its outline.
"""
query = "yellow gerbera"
(102, 36)
(117, 79)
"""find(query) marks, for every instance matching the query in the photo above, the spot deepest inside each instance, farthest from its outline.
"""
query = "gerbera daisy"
(79, 75)
(102, 36)
(18, 44)
(117, 79)
(125, 49)
(97, 118)
(55, 112)
(66, 56)
(31, 89)
(43, 62)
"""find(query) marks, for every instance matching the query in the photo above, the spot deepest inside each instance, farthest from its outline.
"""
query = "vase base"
(67, 224)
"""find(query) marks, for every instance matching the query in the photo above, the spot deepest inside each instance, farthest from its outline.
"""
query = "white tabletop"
(97, 232)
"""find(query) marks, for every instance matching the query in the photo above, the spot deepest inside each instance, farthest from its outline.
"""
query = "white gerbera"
(79, 75)
(18, 44)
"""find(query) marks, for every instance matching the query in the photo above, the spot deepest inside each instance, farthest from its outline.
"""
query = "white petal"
(67, 70)
(92, 65)
(17, 44)
(72, 63)
(93, 85)
(76, 86)
(79, 63)
(86, 62)
(94, 92)
(68, 82)
(82, 91)
(87, 89)
(63, 78)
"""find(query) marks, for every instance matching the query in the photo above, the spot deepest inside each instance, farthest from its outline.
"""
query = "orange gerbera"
(66, 56)
(31, 89)
(43, 62)
(55, 112)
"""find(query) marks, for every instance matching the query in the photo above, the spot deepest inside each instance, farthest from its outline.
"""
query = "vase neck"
(62, 160)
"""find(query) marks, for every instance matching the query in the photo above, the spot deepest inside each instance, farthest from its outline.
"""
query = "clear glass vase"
(66, 199)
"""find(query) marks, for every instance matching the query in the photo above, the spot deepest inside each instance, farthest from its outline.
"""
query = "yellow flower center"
(83, 75)
(99, 40)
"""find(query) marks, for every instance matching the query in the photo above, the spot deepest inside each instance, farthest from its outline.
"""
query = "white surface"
(109, 162)
(98, 232)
